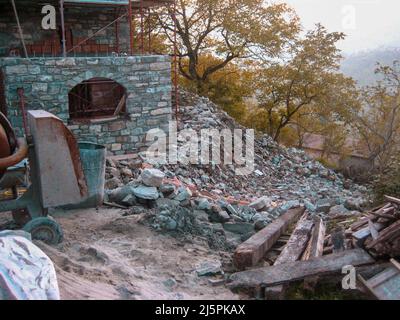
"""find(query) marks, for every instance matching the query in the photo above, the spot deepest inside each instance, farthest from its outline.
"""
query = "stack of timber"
(305, 242)
(310, 254)
(379, 230)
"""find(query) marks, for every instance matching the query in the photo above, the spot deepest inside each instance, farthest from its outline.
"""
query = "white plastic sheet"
(26, 272)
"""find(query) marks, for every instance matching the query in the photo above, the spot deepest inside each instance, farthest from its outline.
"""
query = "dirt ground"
(106, 255)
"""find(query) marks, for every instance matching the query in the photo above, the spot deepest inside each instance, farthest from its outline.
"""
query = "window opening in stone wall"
(97, 98)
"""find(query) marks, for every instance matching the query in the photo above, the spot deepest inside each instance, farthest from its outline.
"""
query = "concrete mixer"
(55, 169)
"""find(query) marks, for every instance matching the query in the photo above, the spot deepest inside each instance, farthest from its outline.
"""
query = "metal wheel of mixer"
(45, 229)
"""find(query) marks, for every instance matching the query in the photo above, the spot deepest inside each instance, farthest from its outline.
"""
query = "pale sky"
(369, 24)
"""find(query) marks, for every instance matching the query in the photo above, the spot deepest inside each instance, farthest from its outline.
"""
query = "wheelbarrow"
(55, 169)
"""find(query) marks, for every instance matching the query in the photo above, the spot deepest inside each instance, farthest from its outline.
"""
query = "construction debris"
(252, 250)
(386, 284)
(379, 230)
(298, 270)
(283, 178)
(292, 252)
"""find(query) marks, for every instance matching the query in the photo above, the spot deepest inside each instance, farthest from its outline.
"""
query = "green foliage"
(227, 87)
(388, 182)
(323, 291)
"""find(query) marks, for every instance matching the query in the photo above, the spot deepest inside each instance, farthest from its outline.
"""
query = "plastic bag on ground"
(26, 272)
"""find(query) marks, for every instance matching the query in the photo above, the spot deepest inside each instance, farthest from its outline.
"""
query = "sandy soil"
(108, 256)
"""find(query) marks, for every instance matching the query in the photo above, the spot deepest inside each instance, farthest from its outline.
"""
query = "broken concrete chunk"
(239, 227)
(129, 200)
(260, 203)
(167, 203)
(152, 177)
(354, 203)
(127, 172)
(288, 205)
(338, 210)
(183, 194)
(167, 189)
(309, 206)
(217, 214)
(203, 204)
(119, 194)
(148, 193)
(323, 205)
(112, 183)
(230, 209)
(209, 268)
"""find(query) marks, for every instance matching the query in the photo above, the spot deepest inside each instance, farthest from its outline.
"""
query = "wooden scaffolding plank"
(252, 250)
(298, 270)
(292, 252)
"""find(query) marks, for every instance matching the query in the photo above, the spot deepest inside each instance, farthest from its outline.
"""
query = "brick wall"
(80, 23)
(47, 81)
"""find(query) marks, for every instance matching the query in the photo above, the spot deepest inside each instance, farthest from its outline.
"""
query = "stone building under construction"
(86, 71)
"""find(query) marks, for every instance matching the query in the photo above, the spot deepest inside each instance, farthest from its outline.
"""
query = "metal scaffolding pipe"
(63, 41)
(149, 30)
(130, 27)
(141, 27)
(21, 35)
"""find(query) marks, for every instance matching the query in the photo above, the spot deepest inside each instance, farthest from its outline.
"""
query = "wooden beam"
(292, 252)
(392, 199)
(298, 270)
(120, 105)
(297, 242)
(251, 251)
(315, 247)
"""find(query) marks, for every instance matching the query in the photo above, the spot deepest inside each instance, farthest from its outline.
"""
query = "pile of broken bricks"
(310, 254)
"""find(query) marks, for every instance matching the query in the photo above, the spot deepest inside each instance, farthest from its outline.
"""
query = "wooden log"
(370, 216)
(298, 270)
(392, 199)
(292, 252)
(252, 250)
(362, 222)
(297, 242)
(315, 247)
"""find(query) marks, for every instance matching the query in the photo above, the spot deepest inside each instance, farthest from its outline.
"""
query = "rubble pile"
(221, 201)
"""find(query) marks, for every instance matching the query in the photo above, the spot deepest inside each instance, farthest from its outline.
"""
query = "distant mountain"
(361, 65)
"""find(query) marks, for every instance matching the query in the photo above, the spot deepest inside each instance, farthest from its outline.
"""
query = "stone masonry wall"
(47, 81)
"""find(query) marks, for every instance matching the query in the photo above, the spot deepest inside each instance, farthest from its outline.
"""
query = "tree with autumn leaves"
(229, 31)
(257, 62)
(239, 52)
